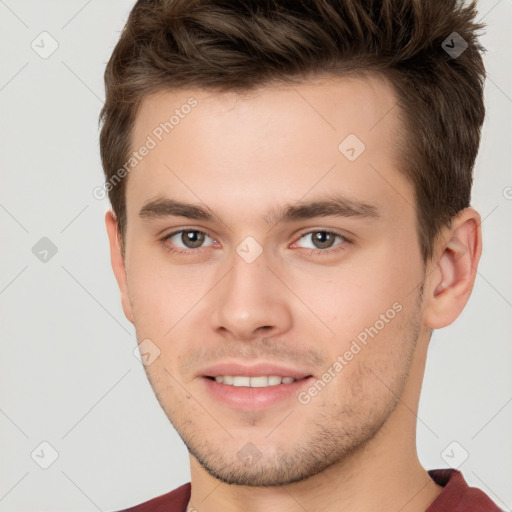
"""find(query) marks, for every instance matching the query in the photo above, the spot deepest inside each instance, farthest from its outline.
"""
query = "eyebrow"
(332, 206)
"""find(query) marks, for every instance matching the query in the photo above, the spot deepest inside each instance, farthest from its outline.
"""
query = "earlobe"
(451, 280)
(118, 263)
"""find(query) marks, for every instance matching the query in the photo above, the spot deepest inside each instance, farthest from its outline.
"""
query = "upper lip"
(255, 370)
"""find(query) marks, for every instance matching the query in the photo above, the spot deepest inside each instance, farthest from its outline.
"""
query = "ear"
(118, 264)
(452, 273)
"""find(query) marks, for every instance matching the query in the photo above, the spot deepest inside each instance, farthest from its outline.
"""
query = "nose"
(251, 301)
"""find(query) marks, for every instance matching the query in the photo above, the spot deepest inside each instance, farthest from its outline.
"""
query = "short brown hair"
(237, 45)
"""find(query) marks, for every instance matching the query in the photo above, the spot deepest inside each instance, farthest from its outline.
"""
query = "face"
(272, 234)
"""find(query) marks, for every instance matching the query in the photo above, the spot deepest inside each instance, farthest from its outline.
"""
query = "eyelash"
(312, 252)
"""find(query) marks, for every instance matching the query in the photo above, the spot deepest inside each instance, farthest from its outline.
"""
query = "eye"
(185, 240)
(321, 241)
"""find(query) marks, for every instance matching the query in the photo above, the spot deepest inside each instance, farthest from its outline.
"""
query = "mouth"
(258, 381)
(254, 393)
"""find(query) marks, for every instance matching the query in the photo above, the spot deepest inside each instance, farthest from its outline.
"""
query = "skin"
(353, 446)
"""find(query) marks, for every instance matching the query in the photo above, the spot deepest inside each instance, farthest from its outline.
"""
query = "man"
(290, 184)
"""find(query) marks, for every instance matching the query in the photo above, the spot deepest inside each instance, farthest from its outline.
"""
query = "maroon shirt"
(455, 497)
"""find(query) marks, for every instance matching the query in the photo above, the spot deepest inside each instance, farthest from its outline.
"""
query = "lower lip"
(254, 399)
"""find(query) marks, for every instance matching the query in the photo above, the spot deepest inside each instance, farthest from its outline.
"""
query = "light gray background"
(68, 374)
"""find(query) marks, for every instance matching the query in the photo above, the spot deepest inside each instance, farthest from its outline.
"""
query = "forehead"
(243, 152)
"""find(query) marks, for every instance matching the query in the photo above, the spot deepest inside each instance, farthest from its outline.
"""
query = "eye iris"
(323, 239)
(192, 239)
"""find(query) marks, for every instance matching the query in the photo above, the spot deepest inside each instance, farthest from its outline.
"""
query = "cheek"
(347, 299)
(373, 362)
(159, 293)
(367, 314)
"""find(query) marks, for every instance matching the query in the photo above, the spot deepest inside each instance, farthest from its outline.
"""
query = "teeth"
(253, 382)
